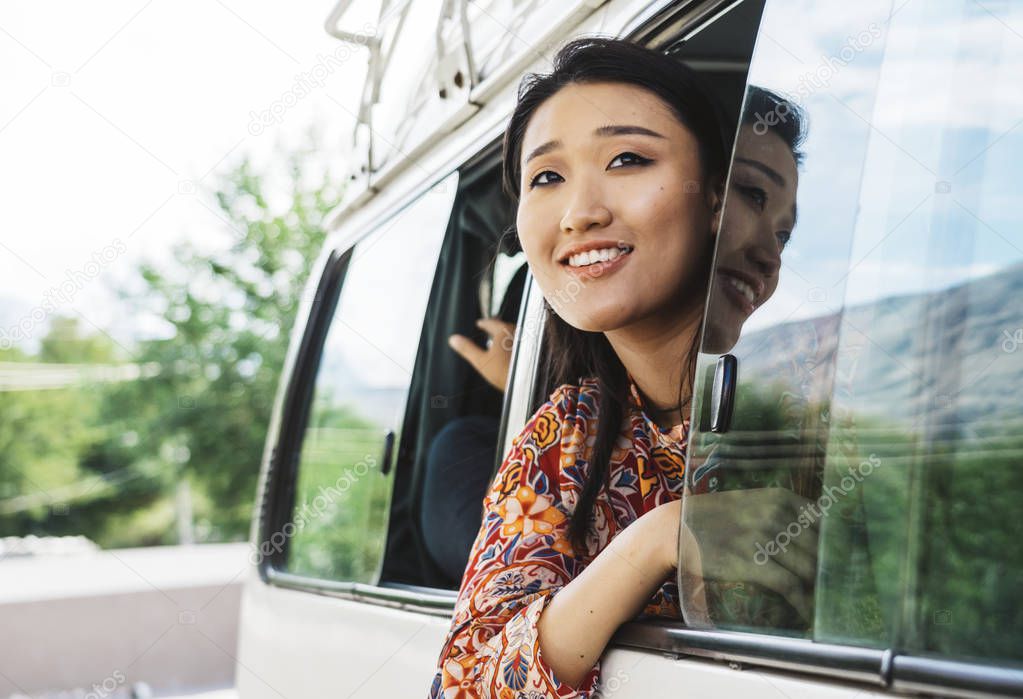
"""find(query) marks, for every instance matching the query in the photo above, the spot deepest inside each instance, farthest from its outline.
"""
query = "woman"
(617, 159)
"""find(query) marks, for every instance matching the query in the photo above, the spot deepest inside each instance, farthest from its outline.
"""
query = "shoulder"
(549, 451)
(570, 407)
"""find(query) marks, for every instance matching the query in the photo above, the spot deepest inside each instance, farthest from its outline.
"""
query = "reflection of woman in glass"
(752, 506)
(617, 160)
(759, 218)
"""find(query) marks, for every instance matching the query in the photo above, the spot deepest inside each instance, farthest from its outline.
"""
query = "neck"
(653, 352)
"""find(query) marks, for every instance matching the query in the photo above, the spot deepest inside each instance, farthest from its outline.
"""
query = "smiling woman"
(617, 161)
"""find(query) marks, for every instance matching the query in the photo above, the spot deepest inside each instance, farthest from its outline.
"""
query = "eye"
(636, 159)
(783, 238)
(535, 182)
(755, 194)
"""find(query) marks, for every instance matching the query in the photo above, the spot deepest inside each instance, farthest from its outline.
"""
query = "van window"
(878, 386)
(452, 419)
(343, 485)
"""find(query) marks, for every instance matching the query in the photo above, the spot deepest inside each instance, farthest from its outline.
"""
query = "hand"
(729, 526)
(493, 362)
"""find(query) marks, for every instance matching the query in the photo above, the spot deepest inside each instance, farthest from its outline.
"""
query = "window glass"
(870, 471)
(783, 248)
(931, 345)
(343, 491)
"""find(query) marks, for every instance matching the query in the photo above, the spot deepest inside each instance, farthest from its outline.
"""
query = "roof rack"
(379, 58)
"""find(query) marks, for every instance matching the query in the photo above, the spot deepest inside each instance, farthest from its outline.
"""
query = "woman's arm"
(576, 626)
(522, 572)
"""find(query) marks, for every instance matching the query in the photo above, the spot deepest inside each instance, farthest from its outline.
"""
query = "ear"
(716, 200)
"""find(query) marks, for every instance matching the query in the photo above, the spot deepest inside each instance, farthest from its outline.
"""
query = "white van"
(890, 358)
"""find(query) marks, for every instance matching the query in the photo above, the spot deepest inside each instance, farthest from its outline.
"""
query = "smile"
(744, 288)
(594, 264)
(743, 291)
(591, 257)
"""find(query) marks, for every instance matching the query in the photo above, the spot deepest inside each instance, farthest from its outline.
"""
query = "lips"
(587, 246)
(744, 289)
(600, 269)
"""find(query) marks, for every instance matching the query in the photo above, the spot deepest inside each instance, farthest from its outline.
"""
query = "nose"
(765, 255)
(585, 211)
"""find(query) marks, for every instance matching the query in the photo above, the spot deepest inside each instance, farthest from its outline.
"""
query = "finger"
(799, 559)
(776, 577)
(794, 545)
(467, 349)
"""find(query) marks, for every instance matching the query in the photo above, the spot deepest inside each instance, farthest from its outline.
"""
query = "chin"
(720, 337)
(597, 320)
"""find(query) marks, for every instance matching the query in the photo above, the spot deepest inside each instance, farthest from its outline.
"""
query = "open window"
(450, 441)
(436, 506)
(333, 473)
(718, 46)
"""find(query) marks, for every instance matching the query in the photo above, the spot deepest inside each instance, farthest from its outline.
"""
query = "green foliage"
(104, 460)
(65, 343)
(60, 472)
(342, 501)
(229, 316)
(917, 547)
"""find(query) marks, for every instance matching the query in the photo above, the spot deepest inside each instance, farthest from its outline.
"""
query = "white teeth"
(744, 288)
(590, 257)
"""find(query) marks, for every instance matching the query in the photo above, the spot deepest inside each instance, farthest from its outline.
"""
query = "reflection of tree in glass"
(342, 500)
(958, 570)
(774, 443)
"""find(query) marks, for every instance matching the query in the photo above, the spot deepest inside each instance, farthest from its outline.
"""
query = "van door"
(315, 623)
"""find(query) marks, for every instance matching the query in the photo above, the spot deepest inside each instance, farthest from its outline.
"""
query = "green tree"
(66, 343)
(228, 315)
(44, 434)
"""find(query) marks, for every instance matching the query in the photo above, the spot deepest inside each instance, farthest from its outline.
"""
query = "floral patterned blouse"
(521, 557)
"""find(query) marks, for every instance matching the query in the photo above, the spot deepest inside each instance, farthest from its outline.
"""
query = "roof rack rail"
(379, 59)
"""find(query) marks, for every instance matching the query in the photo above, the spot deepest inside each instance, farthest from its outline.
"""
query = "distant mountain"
(956, 351)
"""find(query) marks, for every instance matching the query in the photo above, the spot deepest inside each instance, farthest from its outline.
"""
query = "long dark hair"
(573, 354)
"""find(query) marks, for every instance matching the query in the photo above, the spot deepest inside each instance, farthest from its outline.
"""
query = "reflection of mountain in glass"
(970, 326)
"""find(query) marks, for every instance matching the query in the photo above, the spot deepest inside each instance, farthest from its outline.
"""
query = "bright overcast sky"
(112, 112)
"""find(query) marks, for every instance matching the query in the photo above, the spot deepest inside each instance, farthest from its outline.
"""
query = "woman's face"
(612, 215)
(755, 226)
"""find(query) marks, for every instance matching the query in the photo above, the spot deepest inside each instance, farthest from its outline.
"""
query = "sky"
(116, 119)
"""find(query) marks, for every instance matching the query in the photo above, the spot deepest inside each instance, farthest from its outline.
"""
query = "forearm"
(576, 626)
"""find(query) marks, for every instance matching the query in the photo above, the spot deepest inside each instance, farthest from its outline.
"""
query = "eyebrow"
(771, 173)
(610, 130)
